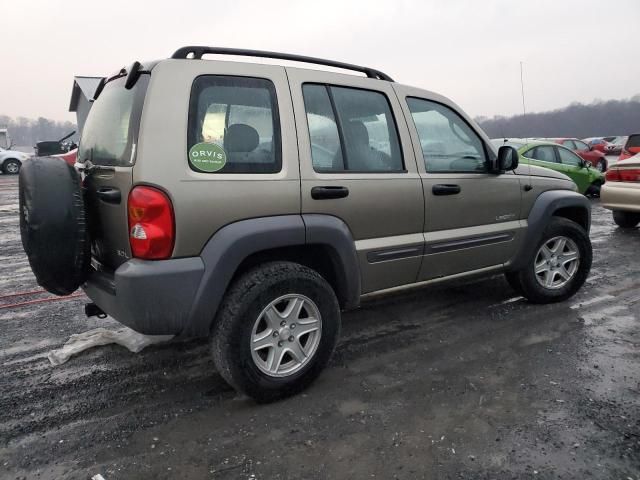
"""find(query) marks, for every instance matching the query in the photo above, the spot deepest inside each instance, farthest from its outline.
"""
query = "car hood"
(535, 171)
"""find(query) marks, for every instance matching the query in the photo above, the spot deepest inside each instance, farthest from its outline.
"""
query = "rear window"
(110, 132)
(634, 141)
(233, 126)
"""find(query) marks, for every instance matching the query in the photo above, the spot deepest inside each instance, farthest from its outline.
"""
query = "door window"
(351, 130)
(448, 143)
(543, 153)
(235, 121)
(567, 157)
(569, 144)
(581, 145)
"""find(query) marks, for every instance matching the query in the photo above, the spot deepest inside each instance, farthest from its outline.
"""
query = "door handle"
(109, 195)
(329, 192)
(445, 189)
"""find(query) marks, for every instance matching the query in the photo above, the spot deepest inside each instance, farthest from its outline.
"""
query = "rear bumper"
(151, 297)
(621, 196)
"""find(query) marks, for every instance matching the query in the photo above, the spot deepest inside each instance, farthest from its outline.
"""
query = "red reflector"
(623, 175)
(151, 223)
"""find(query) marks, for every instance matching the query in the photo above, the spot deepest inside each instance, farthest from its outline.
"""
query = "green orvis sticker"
(208, 157)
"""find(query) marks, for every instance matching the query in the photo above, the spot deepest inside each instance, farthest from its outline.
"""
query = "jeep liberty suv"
(253, 203)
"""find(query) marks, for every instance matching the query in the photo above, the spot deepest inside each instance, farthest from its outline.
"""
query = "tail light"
(151, 223)
(623, 175)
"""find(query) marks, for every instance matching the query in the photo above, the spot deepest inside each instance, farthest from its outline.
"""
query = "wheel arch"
(321, 242)
(554, 203)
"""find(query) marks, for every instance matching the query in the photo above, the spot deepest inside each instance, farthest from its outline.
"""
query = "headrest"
(241, 138)
(358, 133)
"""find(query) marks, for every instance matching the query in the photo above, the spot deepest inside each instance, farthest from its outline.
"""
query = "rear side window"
(351, 130)
(111, 130)
(448, 143)
(233, 126)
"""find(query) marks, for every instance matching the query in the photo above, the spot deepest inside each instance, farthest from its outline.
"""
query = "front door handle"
(109, 195)
(445, 189)
(329, 192)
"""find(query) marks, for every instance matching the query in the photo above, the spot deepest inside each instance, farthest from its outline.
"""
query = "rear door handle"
(109, 195)
(329, 192)
(445, 189)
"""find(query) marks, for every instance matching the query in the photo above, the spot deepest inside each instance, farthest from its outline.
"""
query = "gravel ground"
(455, 381)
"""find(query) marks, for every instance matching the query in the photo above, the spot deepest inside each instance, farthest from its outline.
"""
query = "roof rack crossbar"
(199, 51)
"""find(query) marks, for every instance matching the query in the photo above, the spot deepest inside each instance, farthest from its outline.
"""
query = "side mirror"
(507, 159)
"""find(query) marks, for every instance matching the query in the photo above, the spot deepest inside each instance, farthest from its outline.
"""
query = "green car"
(558, 158)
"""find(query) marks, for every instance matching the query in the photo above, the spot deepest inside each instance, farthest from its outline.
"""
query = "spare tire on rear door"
(53, 224)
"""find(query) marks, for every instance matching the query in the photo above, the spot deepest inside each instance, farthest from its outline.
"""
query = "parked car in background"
(631, 147)
(558, 158)
(621, 193)
(597, 143)
(594, 157)
(615, 144)
(11, 161)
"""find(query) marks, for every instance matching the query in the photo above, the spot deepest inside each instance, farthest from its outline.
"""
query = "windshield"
(111, 129)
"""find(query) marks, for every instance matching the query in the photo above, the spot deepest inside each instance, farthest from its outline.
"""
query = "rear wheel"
(559, 266)
(626, 219)
(276, 330)
(11, 166)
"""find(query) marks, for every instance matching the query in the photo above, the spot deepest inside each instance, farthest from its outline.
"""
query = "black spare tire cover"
(53, 224)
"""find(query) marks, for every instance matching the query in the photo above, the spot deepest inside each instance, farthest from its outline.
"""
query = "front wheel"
(11, 167)
(559, 266)
(276, 330)
(626, 219)
(601, 166)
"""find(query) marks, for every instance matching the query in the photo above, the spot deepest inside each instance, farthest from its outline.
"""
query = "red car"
(594, 157)
(597, 143)
(69, 157)
(631, 148)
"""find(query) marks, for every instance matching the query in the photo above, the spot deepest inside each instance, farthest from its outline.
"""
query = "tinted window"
(581, 145)
(633, 141)
(448, 143)
(569, 158)
(111, 129)
(236, 120)
(351, 130)
(543, 153)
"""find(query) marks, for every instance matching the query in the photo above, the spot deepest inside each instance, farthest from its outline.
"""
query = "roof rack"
(199, 51)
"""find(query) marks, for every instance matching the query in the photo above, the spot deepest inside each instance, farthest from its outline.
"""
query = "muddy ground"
(457, 381)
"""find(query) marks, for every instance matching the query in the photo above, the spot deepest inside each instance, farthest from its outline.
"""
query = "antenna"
(527, 187)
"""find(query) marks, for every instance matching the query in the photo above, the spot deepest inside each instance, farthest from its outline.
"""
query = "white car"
(11, 161)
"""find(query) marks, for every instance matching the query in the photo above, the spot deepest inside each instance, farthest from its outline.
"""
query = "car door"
(572, 165)
(472, 216)
(584, 151)
(357, 164)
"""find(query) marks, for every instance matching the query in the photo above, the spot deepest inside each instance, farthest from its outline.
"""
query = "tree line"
(26, 132)
(600, 118)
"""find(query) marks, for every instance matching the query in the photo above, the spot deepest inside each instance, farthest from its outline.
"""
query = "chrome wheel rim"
(13, 167)
(286, 335)
(557, 262)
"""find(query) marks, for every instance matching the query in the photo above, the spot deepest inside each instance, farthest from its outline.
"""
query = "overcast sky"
(470, 51)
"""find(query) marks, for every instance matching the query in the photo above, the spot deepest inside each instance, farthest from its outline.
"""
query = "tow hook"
(92, 310)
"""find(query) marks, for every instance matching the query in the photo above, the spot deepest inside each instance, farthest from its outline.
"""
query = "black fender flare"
(543, 210)
(232, 244)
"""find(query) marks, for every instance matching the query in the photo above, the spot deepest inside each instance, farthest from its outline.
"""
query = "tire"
(530, 284)
(238, 321)
(626, 219)
(601, 166)
(593, 190)
(53, 224)
(11, 166)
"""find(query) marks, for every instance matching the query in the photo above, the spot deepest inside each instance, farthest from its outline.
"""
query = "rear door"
(472, 216)
(357, 164)
(109, 140)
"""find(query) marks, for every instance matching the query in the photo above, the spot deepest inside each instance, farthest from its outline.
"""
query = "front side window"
(567, 157)
(351, 130)
(233, 126)
(569, 144)
(543, 153)
(448, 143)
(581, 145)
